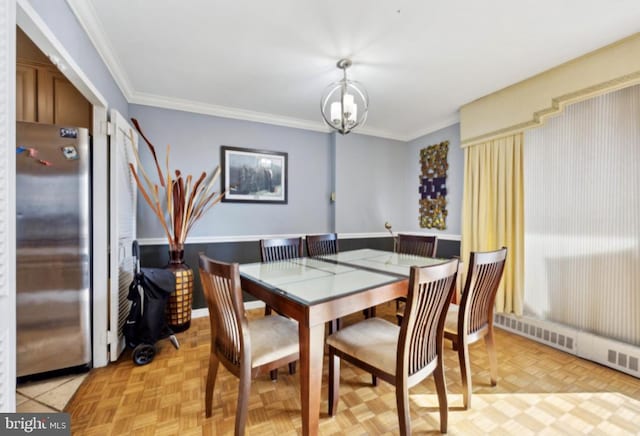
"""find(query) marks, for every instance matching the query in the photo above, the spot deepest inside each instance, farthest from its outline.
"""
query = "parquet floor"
(540, 391)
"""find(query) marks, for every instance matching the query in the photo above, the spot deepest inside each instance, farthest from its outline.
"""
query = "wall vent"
(614, 354)
(617, 355)
(555, 335)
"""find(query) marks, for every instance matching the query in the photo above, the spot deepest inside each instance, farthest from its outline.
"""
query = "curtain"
(493, 211)
(582, 209)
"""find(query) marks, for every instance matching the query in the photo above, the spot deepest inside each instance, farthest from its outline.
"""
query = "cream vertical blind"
(582, 212)
(493, 211)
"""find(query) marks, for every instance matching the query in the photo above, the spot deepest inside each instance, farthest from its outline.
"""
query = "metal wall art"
(433, 186)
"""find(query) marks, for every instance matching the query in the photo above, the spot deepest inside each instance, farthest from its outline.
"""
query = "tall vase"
(178, 312)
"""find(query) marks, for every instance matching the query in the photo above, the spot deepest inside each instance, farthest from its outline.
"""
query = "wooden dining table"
(316, 290)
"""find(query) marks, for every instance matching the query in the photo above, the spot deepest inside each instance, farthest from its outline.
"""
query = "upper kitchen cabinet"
(43, 93)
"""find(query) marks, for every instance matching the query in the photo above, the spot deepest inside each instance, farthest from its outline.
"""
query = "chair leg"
(465, 372)
(399, 318)
(334, 325)
(493, 358)
(402, 403)
(334, 383)
(374, 380)
(211, 383)
(441, 389)
(292, 368)
(244, 390)
(273, 374)
(267, 310)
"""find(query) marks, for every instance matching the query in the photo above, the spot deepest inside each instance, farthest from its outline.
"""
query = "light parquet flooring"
(540, 391)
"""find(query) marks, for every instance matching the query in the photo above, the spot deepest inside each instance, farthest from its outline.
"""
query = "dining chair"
(401, 355)
(319, 245)
(472, 320)
(272, 250)
(247, 348)
(418, 245)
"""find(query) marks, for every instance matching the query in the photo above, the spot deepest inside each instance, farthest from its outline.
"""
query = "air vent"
(622, 360)
(614, 354)
(547, 333)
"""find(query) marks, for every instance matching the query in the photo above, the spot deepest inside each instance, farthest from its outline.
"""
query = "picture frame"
(254, 176)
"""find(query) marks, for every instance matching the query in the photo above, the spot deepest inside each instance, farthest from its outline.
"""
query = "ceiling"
(269, 61)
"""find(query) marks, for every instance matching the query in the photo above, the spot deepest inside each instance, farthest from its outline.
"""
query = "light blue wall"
(375, 179)
(64, 25)
(455, 178)
(195, 147)
(371, 176)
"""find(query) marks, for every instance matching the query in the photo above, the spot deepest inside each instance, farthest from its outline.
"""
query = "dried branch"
(185, 201)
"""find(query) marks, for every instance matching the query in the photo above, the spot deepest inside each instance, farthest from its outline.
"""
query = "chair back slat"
(417, 245)
(272, 250)
(421, 331)
(479, 294)
(221, 286)
(320, 245)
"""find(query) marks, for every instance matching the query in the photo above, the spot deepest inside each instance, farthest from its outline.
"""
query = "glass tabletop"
(314, 280)
(382, 261)
(311, 281)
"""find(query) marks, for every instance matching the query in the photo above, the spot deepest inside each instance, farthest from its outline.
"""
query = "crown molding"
(147, 99)
(88, 19)
(160, 101)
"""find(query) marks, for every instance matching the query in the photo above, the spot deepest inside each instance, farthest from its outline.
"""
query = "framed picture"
(253, 176)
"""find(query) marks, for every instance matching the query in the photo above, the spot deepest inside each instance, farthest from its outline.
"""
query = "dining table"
(315, 290)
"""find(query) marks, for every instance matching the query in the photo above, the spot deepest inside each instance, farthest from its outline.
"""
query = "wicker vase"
(178, 312)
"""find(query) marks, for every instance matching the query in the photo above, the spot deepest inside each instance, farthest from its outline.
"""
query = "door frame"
(38, 31)
(7, 207)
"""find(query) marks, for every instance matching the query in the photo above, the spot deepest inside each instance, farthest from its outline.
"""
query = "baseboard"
(605, 351)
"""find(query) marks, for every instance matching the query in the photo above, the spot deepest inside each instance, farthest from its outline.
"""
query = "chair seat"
(451, 322)
(272, 338)
(373, 341)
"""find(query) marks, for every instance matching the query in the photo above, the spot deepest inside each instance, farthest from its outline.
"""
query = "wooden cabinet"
(26, 96)
(43, 93)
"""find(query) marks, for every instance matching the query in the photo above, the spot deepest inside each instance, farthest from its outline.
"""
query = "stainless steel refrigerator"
(53, 247)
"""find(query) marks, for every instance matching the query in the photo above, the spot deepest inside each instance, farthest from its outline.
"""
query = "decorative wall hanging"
(254, 176)
(433, 186)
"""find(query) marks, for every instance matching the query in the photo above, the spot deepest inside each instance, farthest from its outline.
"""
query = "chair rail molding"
(254, 238)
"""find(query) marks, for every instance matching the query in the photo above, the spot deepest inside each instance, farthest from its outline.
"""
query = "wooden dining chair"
(246, 348)
(272, 250)
(401, 355)
(418, 245)
(472, 320)
(319, 245)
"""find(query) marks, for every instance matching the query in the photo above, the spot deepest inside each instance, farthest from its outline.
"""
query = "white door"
(122, 200)
(7, 209)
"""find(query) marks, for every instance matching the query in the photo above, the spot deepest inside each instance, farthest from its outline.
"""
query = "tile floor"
(50, 395)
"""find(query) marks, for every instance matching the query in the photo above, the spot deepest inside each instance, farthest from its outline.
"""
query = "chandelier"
(344, 104)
